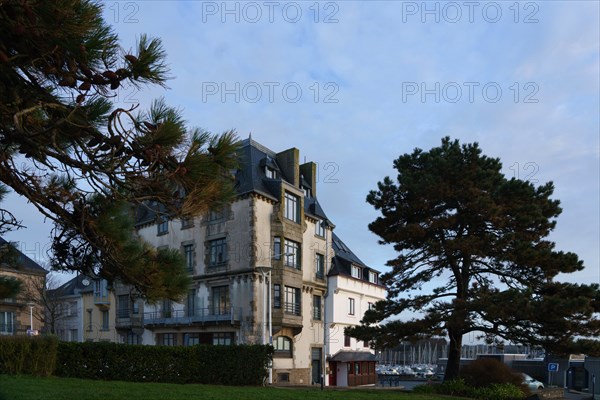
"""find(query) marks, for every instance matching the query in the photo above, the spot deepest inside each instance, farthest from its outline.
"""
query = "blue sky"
(355, 84)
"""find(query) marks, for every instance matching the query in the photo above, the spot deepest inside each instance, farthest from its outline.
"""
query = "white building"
(355, 288)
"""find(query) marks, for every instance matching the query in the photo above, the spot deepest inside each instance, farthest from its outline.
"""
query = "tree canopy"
(86, 166)
(473, 256)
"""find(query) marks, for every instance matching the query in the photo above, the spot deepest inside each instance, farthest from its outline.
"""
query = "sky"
(355, 84)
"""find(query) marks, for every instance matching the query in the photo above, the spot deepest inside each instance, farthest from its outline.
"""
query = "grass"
(35, 388)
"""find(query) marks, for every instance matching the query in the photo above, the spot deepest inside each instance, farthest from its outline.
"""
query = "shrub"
(488, 371)
(219, 365)
(500, 391)
(458, 387)
(28, 355)
(426, 388)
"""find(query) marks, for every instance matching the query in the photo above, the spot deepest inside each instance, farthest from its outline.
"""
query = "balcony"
(200, 316)
(125, 320)
(101, 299)
(293, 308)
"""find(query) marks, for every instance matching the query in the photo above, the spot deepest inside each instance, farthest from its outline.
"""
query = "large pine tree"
(475, 243)
(87, 166)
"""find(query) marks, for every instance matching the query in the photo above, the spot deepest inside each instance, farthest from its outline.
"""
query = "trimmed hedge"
(28, 355)
(218, 365)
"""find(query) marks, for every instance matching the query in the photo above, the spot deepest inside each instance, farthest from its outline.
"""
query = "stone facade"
(273, 229)
(26, 310)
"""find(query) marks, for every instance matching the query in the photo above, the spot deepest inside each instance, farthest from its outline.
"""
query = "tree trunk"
(454, 352)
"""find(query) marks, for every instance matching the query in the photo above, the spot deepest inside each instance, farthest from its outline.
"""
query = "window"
(6, 322)
(218, 252)
(366, 344)
(135, 306)
(190, 306)
(188, 254)
(351, 306)
(356, 272)
(292, 300)
(187, 223)
(320, 266)
(282, 346)
(89, 313)
(307, 192)
(270, 173)
(167, 309)
(72, 309)
(276, 248)
(123, 306)
(277, 296)
(73, 335)
(220, 300)
(163, 225)
(105, 320)
(132, 338)
(222, 338)
(292, 254)
(216, 215)
(346, 341)
(319, 228)
(168, 339)
(100, 289)
(292, 207)
(371, 306)
(373, 277)
(191, 339)
(317, 307)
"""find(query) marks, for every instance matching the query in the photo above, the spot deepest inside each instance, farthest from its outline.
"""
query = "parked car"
(531, 383)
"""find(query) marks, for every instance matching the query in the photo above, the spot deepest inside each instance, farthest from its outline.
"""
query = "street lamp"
(265, 271)
(30, 331)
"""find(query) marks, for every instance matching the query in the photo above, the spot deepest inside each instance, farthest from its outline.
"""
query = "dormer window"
(373, 277)
(271, 168)
(305, 186)
(356, 272)
(270, 173)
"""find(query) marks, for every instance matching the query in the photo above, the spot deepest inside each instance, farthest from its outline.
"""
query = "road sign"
(32, 332)
(552, 367)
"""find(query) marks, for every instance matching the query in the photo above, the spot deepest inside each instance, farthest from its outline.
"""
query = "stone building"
(272, 245)
(25, 311)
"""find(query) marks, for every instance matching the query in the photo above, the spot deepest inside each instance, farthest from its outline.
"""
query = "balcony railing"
(127, 320)
(101, 298)
(292, 308)
(200, 315)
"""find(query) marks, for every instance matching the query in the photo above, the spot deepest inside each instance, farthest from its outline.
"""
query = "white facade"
(354, 289)
(339, 313)
(69, 319)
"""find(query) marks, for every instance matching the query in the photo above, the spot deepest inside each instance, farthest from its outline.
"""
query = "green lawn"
(32, 388)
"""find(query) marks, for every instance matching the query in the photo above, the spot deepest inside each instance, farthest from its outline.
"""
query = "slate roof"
(25, 263)
(345, 258)
(250, 178)
(73, 287)
(347, 356)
